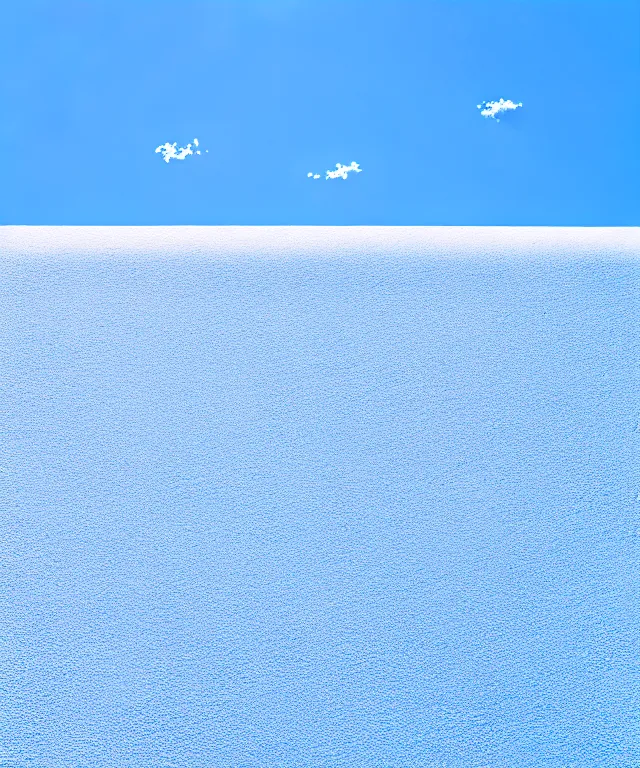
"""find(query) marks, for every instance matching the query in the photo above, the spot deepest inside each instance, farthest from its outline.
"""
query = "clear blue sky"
(276, 89)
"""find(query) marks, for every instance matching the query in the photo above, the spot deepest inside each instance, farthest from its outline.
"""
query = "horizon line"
(356, 241)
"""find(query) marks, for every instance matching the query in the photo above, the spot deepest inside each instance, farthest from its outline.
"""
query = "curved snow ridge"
(220, 243)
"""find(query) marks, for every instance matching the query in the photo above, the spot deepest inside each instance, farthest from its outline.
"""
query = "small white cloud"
(172, 152)
(316, 176)
(493, 108)
(309, 175)
(342, 171)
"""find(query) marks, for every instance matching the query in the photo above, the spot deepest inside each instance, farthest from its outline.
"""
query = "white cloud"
(493, 108)
(172, 152)
(342, 171)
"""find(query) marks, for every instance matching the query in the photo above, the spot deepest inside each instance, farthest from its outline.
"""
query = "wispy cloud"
(493, 108)
(173, 152)
(340, 172)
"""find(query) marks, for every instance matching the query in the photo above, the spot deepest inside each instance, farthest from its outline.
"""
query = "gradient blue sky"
(276, 89)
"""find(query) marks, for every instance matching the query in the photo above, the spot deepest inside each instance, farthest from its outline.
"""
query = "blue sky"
(277, 89)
